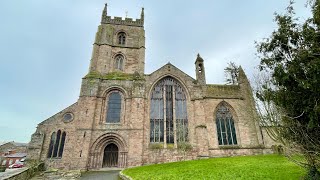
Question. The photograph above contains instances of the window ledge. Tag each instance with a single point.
(55, 158)
(229, 147)
(112, 124)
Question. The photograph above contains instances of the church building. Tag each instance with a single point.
(126, 118)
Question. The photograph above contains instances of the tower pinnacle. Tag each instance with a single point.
(142, 15)
(104, 12)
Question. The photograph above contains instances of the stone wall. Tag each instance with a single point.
(134, 128)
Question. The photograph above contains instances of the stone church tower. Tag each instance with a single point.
(125, 118)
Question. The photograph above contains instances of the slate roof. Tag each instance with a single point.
(17, 144)
(18, 155)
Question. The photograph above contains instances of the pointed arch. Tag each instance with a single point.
(118, 62)
(225, 124)
(168, 112)
(121, 37)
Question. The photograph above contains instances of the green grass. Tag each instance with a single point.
(241, 167)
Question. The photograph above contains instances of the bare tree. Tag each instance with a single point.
(232, 73)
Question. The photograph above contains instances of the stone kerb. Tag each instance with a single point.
(123, 176)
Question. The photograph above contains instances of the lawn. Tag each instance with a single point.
(241, 167)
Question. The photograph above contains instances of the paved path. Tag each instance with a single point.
(100, 175)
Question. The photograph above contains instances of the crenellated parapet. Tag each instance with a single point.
(105, 19)
(120, 21)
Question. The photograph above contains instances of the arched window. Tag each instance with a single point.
(168, 111)
(121, 38)
(225, 126)
(119, 62)
(56, 144)
(63, 138)
(52, 141)
(114, 107)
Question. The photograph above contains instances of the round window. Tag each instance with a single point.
(67, 117)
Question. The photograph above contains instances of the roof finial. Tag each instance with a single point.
(199, 58)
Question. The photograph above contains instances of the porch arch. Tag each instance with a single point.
(97, 149)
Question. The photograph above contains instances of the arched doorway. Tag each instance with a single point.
(110, 156)
(109, 150)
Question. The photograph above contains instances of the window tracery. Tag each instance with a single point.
(225, 126)
(168, 112)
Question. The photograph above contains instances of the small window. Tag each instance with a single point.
(67, 117)
(114, 108)
(200, 68)
(10, 161)
(122, 38)
(119, 62)
(4, 162)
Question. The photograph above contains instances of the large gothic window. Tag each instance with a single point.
(225, 126)
(56, 145)
(119, 62)
(168, 111)
(121, 38)
(114, 107)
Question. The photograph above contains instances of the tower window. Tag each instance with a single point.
(122, 38)
(119, 62)
(114, 107)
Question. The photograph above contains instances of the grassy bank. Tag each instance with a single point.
(244, 167)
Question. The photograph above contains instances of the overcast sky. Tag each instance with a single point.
(45, 46)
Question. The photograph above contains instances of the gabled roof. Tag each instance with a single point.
(20, 144)
(50, 118)
(173, 67)
(17, 144)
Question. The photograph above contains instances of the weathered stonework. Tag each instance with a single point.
(88, 133)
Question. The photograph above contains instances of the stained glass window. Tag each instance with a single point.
(168, 110)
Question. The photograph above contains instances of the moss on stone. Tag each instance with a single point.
(222, 90)
(201, 126)
(184, 146)
(114, 76)
(155, 146)
(170, 146)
